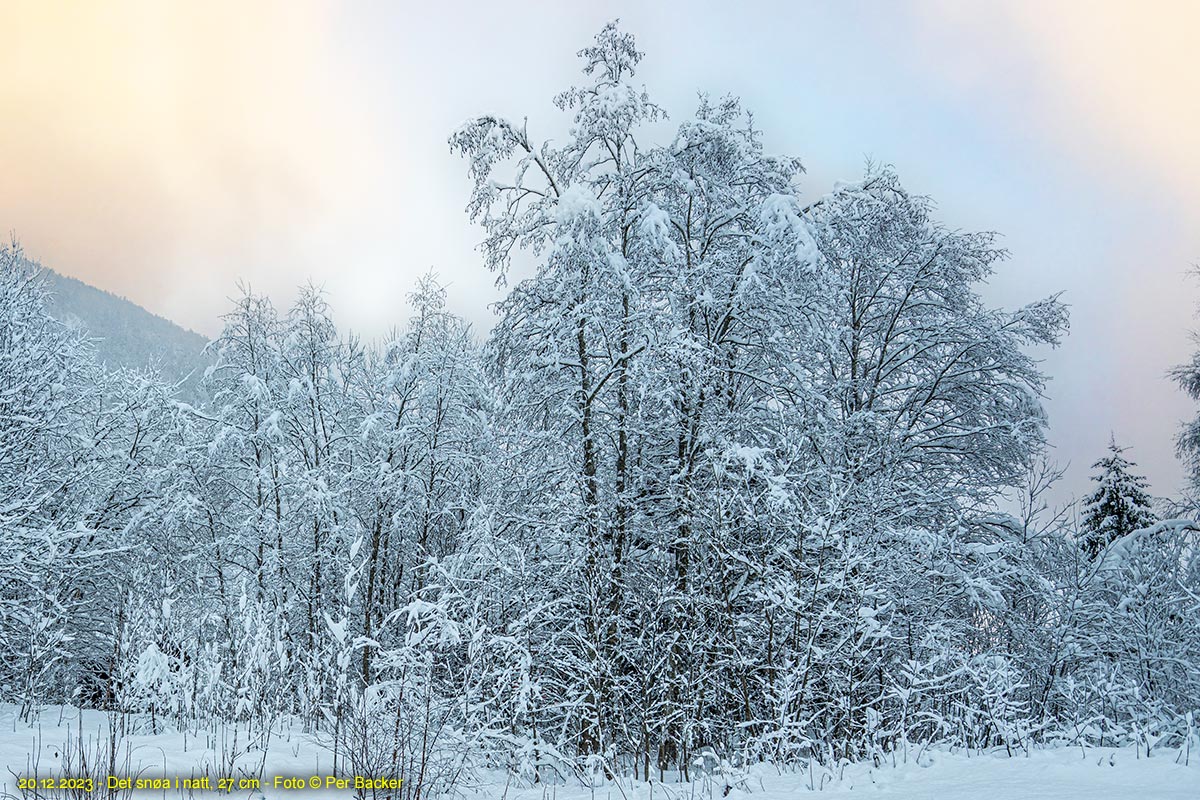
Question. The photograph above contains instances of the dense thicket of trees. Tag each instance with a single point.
(723, 483)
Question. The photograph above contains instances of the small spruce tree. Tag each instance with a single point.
(1120, 503)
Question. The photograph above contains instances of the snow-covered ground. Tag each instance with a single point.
(1065, 774)
(1068, 773)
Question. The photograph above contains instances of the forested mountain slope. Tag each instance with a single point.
(127, 335)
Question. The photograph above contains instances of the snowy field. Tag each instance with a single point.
(1062, 774)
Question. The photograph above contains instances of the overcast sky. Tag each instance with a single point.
(164, 151)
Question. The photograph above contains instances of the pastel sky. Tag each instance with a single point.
(165, 151)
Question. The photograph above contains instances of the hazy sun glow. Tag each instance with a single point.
(148, 145)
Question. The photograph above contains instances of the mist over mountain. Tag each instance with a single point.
(127, 335)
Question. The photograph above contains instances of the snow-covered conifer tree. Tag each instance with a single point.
(1117, 506)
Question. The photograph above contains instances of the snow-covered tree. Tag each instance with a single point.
(424, 411)
(1117, 506)
(730, 396)
(54, 508)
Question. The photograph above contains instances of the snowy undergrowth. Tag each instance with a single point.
(46, 746)
(1058, 774)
